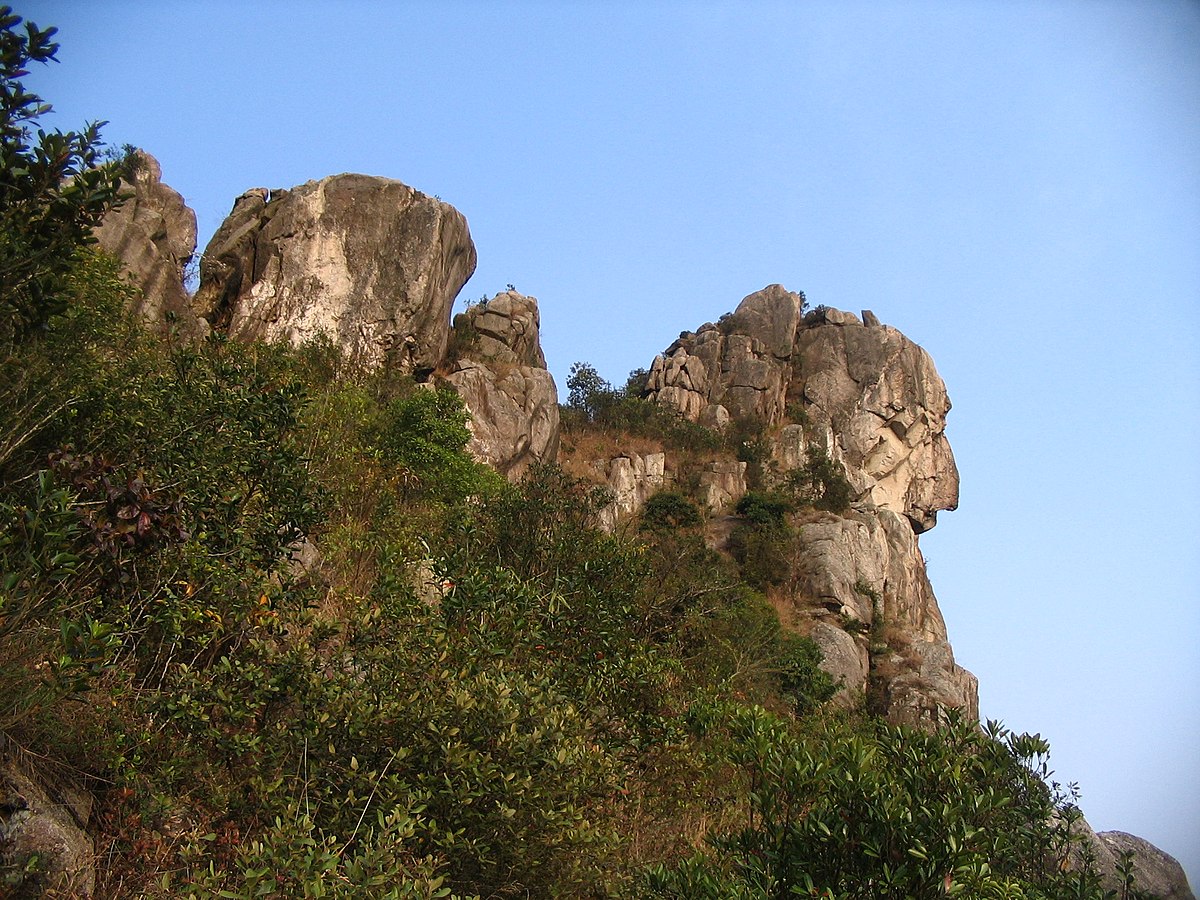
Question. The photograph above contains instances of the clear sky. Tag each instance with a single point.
(1014, 185)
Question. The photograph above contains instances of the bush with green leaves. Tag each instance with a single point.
(867, 811)
(53, 188)
(425, 432)
(593, 401)
(761, 540)
(820, 483)
(670, 510)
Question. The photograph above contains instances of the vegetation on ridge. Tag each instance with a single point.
(298, 644)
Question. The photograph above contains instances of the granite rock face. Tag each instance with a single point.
(869, 395)
(741, 364)
(860, 584)
(153, 234)
(871, 401)
(501, 375)
(876, 402)
(633, 479)
(1158, 874)
(370, 262)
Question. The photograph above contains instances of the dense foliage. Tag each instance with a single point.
(52, 187)
(298, 644)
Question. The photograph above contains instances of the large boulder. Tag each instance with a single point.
(864, 392)
(368, 262)
(632, 478)
(740, 364)
(153, 234)
(862, 574)
(1158, 873)
(497, 367)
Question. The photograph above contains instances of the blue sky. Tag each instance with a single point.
(1014, 185)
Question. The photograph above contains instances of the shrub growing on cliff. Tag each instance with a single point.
(426, 433)
(593, 401)
(670, 510)
(760, 541)
(820, 483)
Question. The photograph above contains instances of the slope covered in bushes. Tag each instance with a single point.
(266, 611)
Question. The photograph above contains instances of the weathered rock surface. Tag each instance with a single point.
(501, 375)
(863, 575)
(871, 397)
(873, 402)
(36, 820)
(633, 479)
(153, 234)
(370, 262)
(722, 484)
(876, 402)
(740, 364)
(1158, 873)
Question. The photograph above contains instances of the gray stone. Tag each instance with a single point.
(633, 479)
(514, 414)
(369, 262)
(845, 658)
(49, 820)
(501, 375)
(742, 364)
(1158, 873)
(873, 401)
(505, 329)
(722, 484)
(153, 234)
(882, 407)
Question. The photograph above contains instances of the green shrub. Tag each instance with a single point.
(764, 509)
(820, 483)
(592, 401)
(426, 433)
(53, 188)
(669, 510)
(874, 811)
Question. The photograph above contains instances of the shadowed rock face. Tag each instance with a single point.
(369, 262)
(501, 375)
(46, 819)
(153, 234)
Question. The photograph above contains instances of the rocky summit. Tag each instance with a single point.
(866, 397)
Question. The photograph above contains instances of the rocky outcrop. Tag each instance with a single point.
(49, 825)
(500, 372)
(369, 262)
(722, 484)
(1158, 874)
(875, 401)
(868, 395)
(633, 479)
(153, 234)
(739, 365)
(827, 385)
(859, 582)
